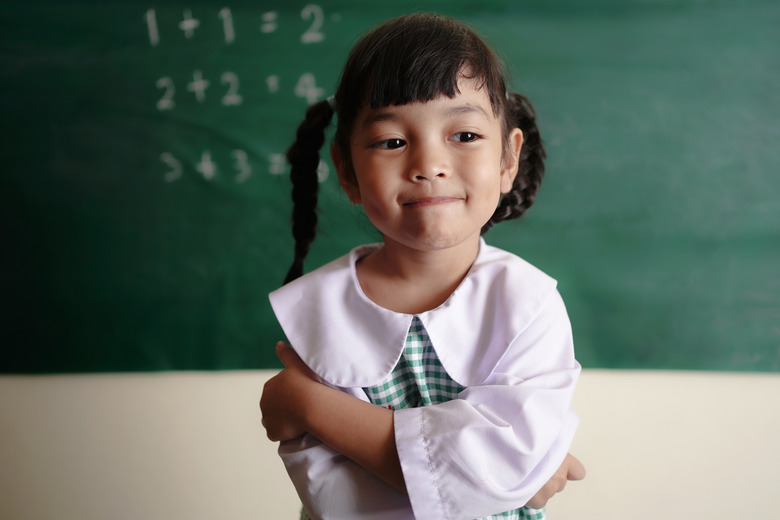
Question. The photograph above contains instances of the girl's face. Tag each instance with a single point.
(429, 175)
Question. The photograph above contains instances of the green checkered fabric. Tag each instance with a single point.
(419, 379)
(527, 513)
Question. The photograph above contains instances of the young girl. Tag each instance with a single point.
(432, 374)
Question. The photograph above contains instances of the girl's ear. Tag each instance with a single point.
(347, 179)
(511, 160)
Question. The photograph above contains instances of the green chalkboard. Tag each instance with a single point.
(145, 203)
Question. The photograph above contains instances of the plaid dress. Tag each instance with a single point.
(419, 379)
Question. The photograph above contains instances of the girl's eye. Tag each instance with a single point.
(465, 137)
(390, 144)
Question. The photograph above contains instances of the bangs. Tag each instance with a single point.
(417, 59)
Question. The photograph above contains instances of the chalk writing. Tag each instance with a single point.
(206, 87)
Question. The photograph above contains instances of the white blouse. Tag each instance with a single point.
(504, 334)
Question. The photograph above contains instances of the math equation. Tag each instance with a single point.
(225, 88)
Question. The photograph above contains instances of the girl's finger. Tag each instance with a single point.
(576, 470)
(286, 354)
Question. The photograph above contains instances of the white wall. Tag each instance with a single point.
(189, 446)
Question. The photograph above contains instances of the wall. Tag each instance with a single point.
(145, 232)
(169, 446)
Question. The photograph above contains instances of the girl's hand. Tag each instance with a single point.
(284, 399)
(571, 469)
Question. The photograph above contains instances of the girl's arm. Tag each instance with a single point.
(294, 402)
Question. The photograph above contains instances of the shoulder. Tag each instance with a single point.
(336, 275)
(502, 280)
(493, 262)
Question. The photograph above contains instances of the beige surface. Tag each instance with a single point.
(190, 446)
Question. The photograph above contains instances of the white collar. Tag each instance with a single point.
(350, 341)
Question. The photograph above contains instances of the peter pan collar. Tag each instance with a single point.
(350, 341)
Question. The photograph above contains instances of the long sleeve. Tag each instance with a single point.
(332, 487)
(491, 449)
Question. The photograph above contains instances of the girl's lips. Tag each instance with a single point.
(431, 201)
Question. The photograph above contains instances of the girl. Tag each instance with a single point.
(432, 374)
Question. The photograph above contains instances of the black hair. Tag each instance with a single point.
(414, 58)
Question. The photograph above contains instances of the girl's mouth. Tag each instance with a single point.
(430, 201)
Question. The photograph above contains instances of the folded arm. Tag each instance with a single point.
(295, 402)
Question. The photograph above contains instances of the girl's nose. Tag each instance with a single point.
(428, 162)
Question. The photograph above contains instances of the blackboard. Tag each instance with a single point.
(145, 203)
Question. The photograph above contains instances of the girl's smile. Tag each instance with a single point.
(431, 201)
(430, 174)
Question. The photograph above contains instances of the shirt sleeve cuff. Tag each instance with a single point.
(417, 465)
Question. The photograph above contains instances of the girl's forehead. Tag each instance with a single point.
(471, 98)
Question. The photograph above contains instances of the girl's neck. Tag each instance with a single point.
(412, 281)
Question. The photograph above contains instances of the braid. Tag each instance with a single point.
(530, 170)
(304, 158)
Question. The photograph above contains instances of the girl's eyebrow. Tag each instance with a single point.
(466, 110)
(378, 116)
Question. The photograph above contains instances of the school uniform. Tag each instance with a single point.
(480, 387)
